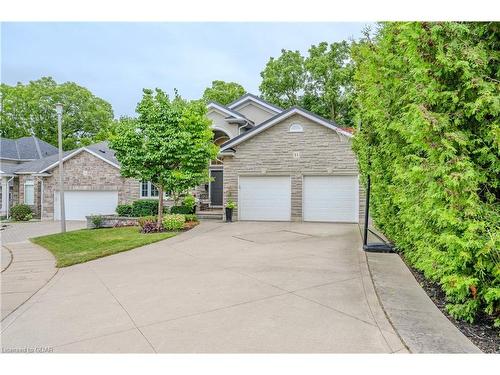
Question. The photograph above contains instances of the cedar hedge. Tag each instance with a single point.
(428, 100)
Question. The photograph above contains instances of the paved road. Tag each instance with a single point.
(19, 231)
(240, 287)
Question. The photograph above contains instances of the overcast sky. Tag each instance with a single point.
(116, 60)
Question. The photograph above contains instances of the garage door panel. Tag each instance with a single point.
(331, 198)
(78, 204)
(265, 198)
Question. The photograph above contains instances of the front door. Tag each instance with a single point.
(216, 188)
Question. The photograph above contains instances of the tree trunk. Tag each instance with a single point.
(160, 206)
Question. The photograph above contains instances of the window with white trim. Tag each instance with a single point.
(296, 128)
(148, 190)
(29, 193)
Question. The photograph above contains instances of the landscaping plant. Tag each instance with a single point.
(169, 144)
(125, 210)
(428, 101)
(96, 221)
(145, 207)
(173, 222)
(21, 212)
(191, 217)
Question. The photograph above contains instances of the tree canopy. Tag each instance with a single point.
(223, 92)
(169, 144)
(320, 82)
(428, 99)
(29, 109)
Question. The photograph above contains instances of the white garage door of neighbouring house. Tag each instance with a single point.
(331, 198)
(265, 198)
(79, 204)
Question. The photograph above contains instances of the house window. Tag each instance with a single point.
(296, 128)
(29, 193)
(148, 190)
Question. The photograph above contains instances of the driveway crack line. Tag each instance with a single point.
(124, 309)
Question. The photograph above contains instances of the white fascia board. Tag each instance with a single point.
(76, 153)
(283, 117)
(250, 98)
(224, 110)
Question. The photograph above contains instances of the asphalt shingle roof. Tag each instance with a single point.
(25, 148)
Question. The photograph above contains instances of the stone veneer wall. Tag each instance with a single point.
(37, 183)
(270, 153)
(87, 172)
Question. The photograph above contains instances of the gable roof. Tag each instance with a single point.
(100, 150)
(280, 117)
(254, 98)
(226, 110)
(25, 149)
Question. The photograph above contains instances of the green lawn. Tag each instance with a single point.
(86, 244)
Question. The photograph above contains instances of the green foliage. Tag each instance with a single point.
(144, 220)
(191, 217)
(125, 210)
(173, 222)
(320, 82)
(428, 99)
(283, 79)
(230, 204)
(144, 207)
(28, 109)
(21, 212)
(223, 92)
(181, 210)
(189, 201)
(170, 144)
(96, 221)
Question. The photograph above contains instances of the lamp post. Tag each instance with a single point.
(59, 110)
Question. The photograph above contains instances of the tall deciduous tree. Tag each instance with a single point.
(223, 92)
(283, 79)
(427, 96)
(169, 144)
(28, 109)
(328, 90)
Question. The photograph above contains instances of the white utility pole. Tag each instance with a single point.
(59, 110)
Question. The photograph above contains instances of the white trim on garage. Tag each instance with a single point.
(81, 203)
(330, 198)
(265, 198)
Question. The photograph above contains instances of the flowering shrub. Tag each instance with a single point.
(173, 222)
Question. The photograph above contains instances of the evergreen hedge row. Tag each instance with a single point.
(428, 101)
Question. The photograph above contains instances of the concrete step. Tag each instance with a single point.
(210, 215)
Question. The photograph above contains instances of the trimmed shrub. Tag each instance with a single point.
(145, 207)
(96, 221)
(173, 222)
(124, 210)
(183, 210)
(191, 217)
(21, 212)
(190, 202)
(427, 101)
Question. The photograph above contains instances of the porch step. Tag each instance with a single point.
(210, 215)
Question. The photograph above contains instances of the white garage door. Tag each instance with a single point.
(331, 198)
(79, 204)
(265, 198)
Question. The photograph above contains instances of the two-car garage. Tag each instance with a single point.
(331, 198)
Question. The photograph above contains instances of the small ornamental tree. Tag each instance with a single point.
(169, 144)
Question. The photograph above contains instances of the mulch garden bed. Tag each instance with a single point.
(482, 333)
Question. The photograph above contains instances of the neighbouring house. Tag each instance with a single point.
(283, 165)
(14, 153)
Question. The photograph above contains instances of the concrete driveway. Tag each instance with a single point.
(240, 287)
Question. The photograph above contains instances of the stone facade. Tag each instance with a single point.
(37, 184)
(87, 172)
(271, 153)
